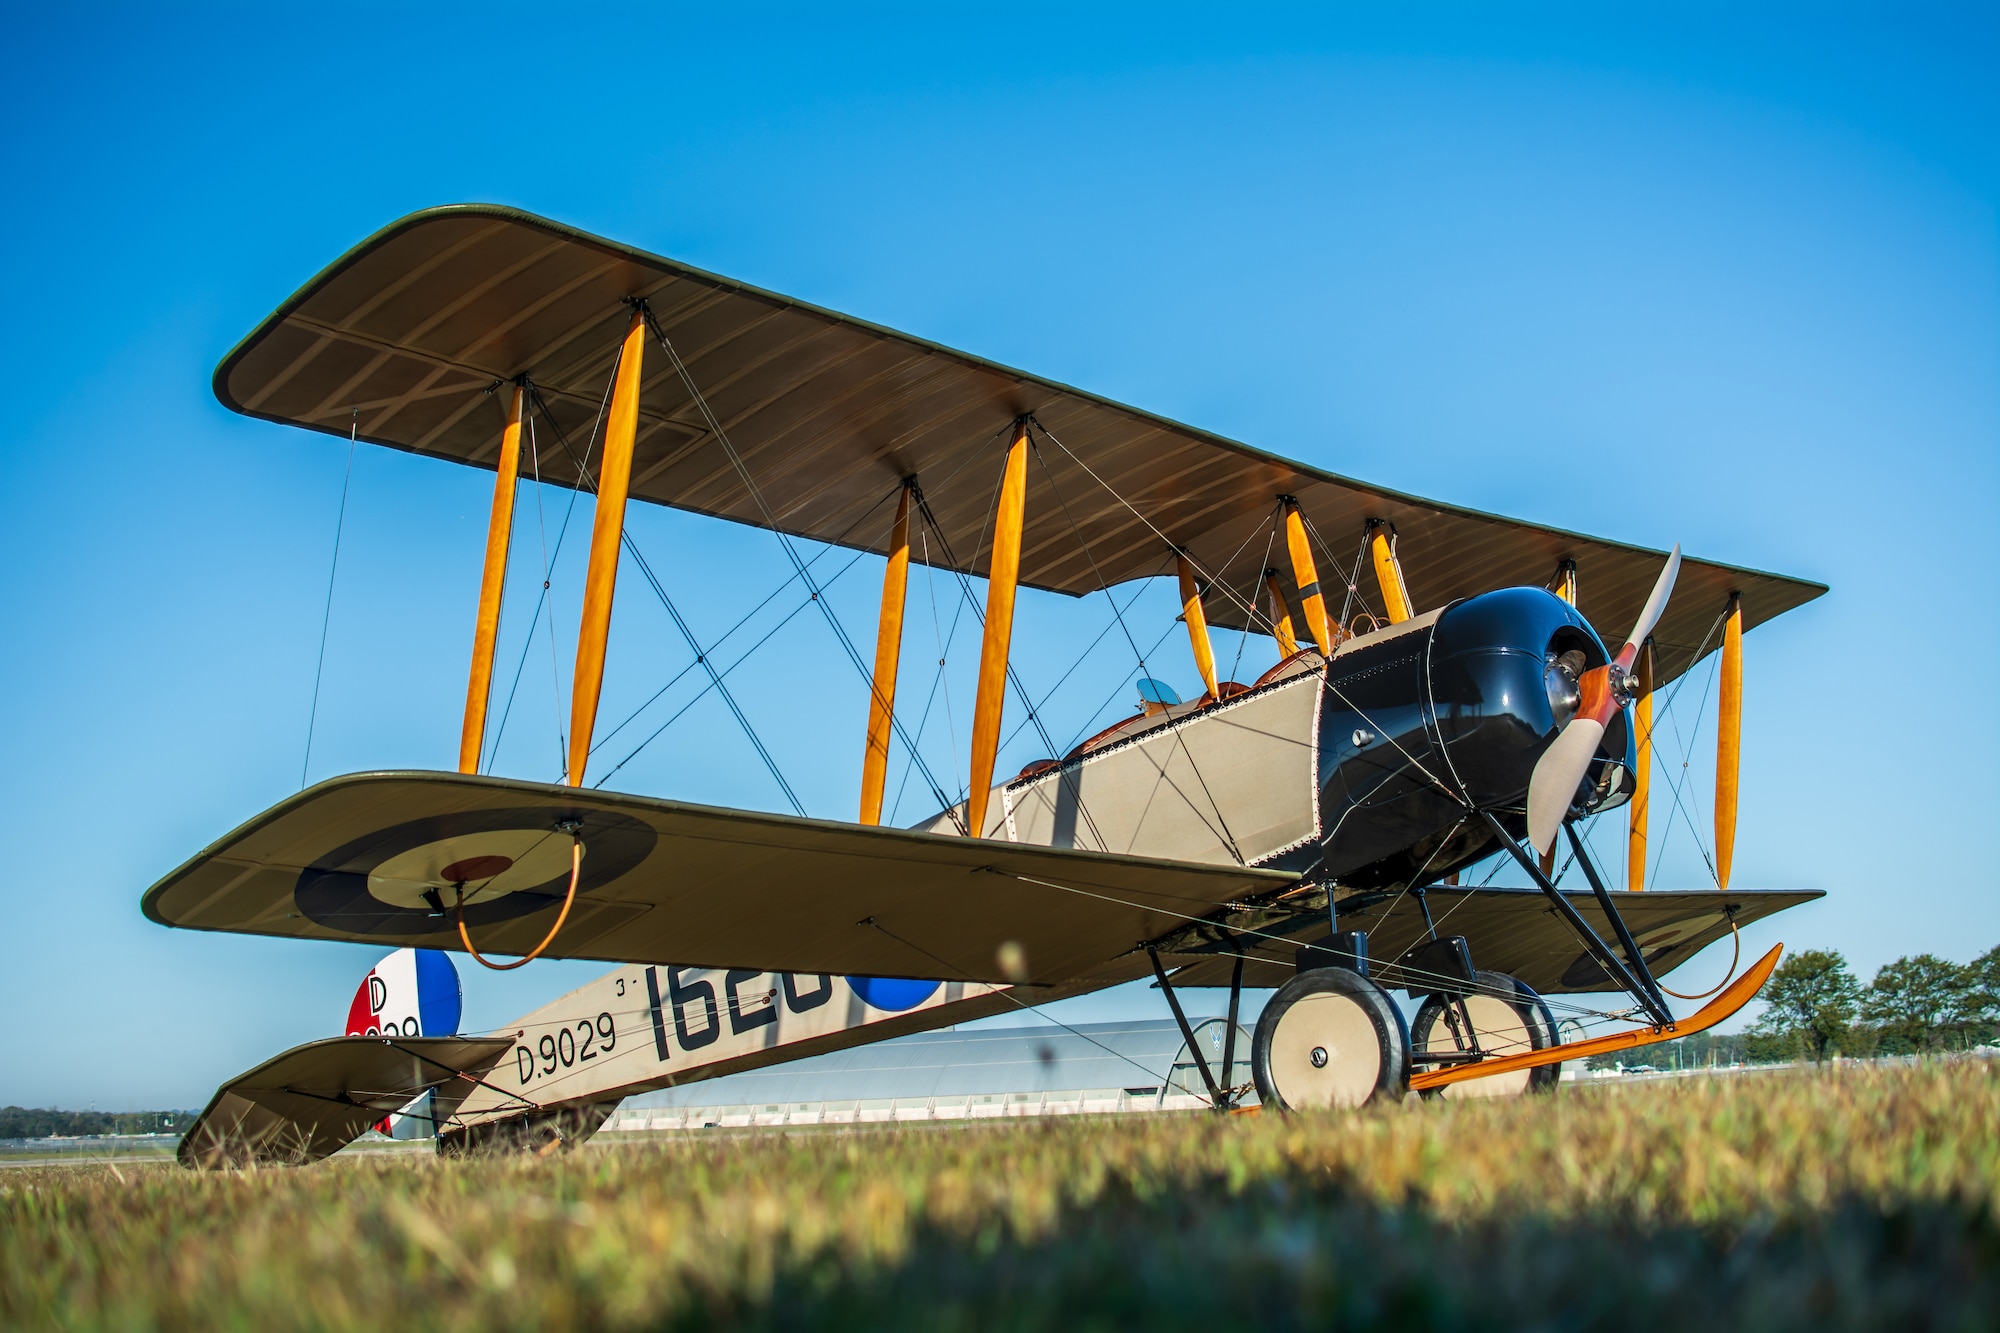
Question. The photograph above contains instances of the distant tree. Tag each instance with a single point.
(1983, 974)
(1918, 1002)
(18, 1122)
(1769, 1048)
(1812, 998)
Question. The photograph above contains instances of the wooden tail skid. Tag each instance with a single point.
(1739, 993)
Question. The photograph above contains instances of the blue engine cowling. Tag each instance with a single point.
(1439, 714)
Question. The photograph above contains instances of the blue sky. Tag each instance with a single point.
(1671, 274)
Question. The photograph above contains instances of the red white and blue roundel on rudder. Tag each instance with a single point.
(411, 993)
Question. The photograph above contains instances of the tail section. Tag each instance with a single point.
(411, 993)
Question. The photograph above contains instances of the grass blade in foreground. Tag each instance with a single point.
(1845, 1200)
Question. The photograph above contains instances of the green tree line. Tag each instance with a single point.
(18, 1122)
(1815, 1007)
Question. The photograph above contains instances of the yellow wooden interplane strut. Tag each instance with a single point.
(1728, 740)
(1642, 773)
(888, 656)
(492, 582)
(1003, 577)
(1197, 625)
(1281, 616)
(1306, 576)
(614, 479)
(1389, 572)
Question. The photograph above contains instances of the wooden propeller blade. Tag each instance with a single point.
(1558, 773)
(1656, 606)
(1552, 786)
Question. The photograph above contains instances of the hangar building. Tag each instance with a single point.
(957, 1074)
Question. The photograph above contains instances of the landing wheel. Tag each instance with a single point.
(1330, 1038)
(1506, 1017)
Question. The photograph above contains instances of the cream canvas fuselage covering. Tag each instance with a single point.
(1232, 784)
(640, 1028)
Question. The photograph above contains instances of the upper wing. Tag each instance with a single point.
(664, 882)
(414, 327)
(315, 1099)
(1515, 931)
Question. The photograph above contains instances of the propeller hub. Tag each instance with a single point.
(1624, 685)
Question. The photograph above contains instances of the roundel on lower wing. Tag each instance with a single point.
(892, 994)
(1664, 950)
(411, 993)
(405, 880)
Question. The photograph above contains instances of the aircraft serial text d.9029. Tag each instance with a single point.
(1461, 686)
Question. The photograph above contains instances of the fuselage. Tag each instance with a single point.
(1360, 769)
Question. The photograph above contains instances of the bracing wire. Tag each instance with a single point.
(771, 521)
(938, 683)
(546, 597)
(1351, 576)
(745, 656)
(1077, 665)
(1020, 688)
(673, 613)
(714, 676)
(326, 619)
(1090, 723)
(745, 619)
(1681, 779)
(1249, 608)
(1687, 745)
(1243, 636)
(548, 600)
(1254, 616)
(1096, 573)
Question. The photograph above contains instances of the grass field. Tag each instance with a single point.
(1851, 1199)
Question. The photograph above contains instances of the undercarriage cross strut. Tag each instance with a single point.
(1646, 995)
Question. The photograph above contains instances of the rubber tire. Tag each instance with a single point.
(1530, 1019)
(1370, 1065)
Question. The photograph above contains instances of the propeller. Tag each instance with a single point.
(1563, 766)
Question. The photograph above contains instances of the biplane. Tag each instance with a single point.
(1448, 687)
